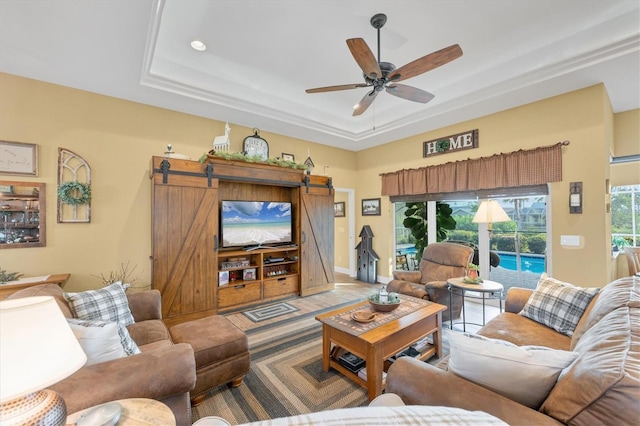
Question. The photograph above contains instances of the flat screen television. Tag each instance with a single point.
(255, 223)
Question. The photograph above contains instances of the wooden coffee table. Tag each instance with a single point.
(378, 341)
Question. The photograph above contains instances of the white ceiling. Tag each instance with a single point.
(262, 55)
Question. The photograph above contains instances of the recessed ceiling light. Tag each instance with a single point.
(198, 45)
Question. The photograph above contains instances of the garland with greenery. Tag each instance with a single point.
(74, 193)
(239, 156)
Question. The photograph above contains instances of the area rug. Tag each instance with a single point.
(268, 312)
(286, 377)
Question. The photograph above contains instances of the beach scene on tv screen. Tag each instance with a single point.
(246, 223)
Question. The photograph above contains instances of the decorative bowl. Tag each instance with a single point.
(393, 303)
(363, 316)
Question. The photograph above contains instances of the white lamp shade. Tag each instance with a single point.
(37, 346)
(490, 211)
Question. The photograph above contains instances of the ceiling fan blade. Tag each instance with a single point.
(364, 57)
(365, 102)
(410, 93)
(426, 63)
(335, 88)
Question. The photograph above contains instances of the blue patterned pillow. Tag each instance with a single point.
(557, 304)
(108, 304)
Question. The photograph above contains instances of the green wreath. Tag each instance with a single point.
(74, 193)
(442, 145)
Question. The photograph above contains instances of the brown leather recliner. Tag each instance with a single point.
(440, 261)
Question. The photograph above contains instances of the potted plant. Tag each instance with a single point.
(416, 221)
(472, 270)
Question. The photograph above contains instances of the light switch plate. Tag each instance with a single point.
(570, 240)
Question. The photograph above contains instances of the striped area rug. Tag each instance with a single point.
(286, 376)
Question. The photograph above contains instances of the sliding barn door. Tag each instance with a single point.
(317, 241)
(184, 236)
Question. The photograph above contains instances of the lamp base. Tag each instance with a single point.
(44, 407)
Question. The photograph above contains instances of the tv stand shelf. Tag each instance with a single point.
(270, 279)
(187, 259)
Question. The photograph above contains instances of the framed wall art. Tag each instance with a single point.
(18, 158)
(338, 209)
(371, 207)
(249, 274)
(288, 157)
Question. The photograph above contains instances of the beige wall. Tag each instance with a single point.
(627, 133)
(341, 230)
(583, 117)
(118, 138)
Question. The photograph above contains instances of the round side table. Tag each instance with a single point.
(488, 290)
(136, 412)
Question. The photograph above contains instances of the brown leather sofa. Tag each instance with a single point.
(601, 387)
(440, 261)
(163, 371)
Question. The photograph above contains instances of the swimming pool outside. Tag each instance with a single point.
(528, 262)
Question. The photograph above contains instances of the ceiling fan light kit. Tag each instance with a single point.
(379, 76)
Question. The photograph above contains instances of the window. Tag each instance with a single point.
(625, 216)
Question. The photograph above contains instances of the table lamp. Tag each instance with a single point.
(489, 212)
(37, 349)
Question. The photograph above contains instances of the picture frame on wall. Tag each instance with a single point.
(18, 158)
(371, 207)
(338, 209)
(288, 157)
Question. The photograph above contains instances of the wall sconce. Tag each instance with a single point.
(575, 197)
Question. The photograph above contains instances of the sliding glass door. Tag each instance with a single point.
(517, 248)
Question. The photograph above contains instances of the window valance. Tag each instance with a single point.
(514, 169)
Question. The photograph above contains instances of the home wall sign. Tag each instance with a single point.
(457, 142)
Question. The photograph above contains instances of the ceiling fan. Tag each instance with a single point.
(383, 75)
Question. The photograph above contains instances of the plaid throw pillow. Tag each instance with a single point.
(108, 304)
(558, 305)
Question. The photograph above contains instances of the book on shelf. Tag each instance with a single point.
(351, 362)
(362, 373)
(410, 351)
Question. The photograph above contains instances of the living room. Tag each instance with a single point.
(119, 137)
(120, 141)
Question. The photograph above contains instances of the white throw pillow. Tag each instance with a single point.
(557, 304)
(525, 374)
(99, 340)
(108, 304)
(103, 340)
